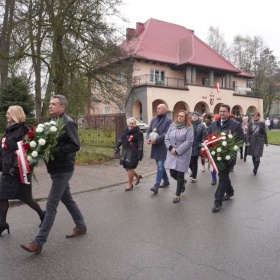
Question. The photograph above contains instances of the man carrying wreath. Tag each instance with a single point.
(230, 126)
(61, 169)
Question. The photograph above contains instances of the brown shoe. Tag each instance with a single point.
(32, 247)
(76, 232)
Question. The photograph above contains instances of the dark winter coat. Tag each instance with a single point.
(199, 135)
(67, 146)
(8, 157)
(131, 141)
(257, 137)
(162, 124)
(11, 186)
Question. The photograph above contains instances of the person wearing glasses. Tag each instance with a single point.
(178, 140)
(228, 125)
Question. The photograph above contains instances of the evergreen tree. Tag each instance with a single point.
(16, 91)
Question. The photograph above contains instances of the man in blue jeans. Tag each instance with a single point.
(158, 150)
(61, 169)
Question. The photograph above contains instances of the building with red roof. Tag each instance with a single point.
(171, 65)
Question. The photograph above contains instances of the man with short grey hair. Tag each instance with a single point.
(61, 169)
(161, 123)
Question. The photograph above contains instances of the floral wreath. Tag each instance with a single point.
(220, 148)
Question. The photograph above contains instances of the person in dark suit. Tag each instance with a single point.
(162, 123)
(228, 125)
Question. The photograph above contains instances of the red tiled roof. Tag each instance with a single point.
(170, 43)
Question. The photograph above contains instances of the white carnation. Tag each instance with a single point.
(33, 144)
(227, 157)
(223, 133)
(235, 147)
(53, 129)
(223, 137)
(39, 129)
(41, 125)
(224, 143)
(29, 158)
(213, 153)
(42, 141)
(46, 123)
(219, 150)
(34, 154)
(52, 123)
(230, 136)
(219, 158)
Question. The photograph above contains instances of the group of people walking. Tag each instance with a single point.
(178, 144)
(174, 145)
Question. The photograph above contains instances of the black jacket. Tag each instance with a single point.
(68, 145)
(8, 157)
(132, 147)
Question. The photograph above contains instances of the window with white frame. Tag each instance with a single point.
(156, 75)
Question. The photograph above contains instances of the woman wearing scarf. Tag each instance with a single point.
(131, 141)
(256, 138)
(178, 141)
(199, 135)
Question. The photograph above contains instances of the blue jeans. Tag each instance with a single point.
(59, 191)
(161, 172)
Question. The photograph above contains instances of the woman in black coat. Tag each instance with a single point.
(256, 138)
(131, 141)
(11, 186)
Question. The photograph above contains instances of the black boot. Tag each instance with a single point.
(214, 181)
(4, 227)
(256, 166)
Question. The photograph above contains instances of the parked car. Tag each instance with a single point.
(143, 126)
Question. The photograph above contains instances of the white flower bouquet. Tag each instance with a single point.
(220, 149)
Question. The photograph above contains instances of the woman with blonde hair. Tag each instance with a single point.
(11, 186)
(178, 140)
(131, 141)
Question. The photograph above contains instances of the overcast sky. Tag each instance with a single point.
(239, 17)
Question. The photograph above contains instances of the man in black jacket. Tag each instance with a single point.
(228, 125)
(61, 169)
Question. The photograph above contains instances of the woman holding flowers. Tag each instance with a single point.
(131, 141)
(178, 140)
(11, 186)
(225, 162)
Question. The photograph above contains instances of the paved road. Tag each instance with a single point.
(136, 235)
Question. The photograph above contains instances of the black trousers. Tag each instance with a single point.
(180, 178)
(224, 185)
(194, 166)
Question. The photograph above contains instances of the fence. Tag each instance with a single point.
(98, 133)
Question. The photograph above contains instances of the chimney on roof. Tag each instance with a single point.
(130, 33)
(139, 28)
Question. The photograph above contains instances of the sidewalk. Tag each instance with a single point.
(93, 177)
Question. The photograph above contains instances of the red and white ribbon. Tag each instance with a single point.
(23, 165)
(205, 144)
